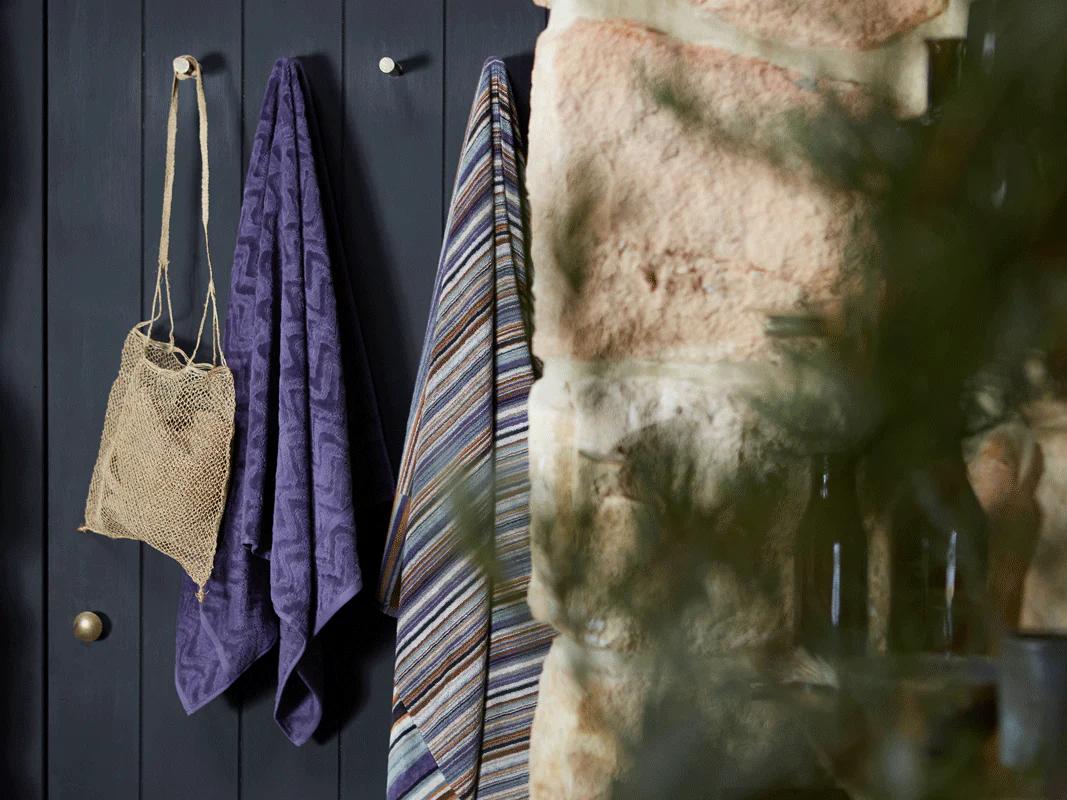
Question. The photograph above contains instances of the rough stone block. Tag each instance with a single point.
(839, 24)
(661, 230)
(589, 727)
(583, 712)
(690, 429)
(896, 69)
(1044, 604)
(846, 24)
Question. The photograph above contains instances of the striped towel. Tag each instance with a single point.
(457, 564)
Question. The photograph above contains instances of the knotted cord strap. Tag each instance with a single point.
(162, 290)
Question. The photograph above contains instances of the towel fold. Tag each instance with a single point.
(457, 564)
(286, 558)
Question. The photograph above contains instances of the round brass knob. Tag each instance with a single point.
(88, 627)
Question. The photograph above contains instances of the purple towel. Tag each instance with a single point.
(286, 559)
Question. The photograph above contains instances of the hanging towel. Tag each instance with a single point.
(468, 652)
(286, 558)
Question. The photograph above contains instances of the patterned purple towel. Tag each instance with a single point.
(286, 559)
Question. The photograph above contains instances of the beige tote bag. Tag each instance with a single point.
(164, 460)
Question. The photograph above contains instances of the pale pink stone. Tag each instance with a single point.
(846, 24)
(684, 232)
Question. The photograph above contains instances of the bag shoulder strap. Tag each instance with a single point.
(162, 291)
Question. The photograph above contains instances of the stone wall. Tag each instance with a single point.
(662, 234)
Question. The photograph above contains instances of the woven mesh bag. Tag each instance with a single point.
(164, 461)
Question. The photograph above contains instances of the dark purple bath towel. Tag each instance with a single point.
(286, 559)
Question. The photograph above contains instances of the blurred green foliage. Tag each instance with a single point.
(956, 317)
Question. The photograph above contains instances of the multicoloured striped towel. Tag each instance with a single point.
(457, 564)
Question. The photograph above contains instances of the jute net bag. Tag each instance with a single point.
(164, 460)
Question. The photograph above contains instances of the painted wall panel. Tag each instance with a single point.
(207, 740)
(86, 99)
(94, 297)
(22, 423)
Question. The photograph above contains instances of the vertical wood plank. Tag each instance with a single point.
(207, 741)
(392, 209)
(93, 295)
(364, 677)
(392, 194)
(22, 397)
(474, 31)
(311, 30)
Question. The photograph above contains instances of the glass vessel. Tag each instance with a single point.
(831, 563)
(939, 555)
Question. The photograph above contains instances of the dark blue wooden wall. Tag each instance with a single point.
(84, 87)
